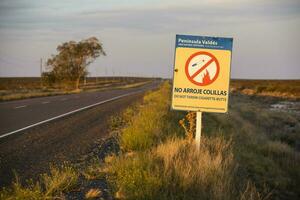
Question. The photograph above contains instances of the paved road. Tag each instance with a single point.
(15, 115)
(29, 152)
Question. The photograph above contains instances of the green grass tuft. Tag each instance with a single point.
(51, 186)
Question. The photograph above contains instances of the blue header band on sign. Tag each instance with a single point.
(190, 41)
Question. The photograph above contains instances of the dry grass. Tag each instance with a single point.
(16, 83)
(192, 174)
(94, 170)
(278, 88)
(158, 163)
(265, 144)
(22, 88)
(20, 192)
(248, 154)
(134, 177)
(133, 85)
(251, 193)
(51, 186)
(93, 194)
(176, 170)
(145, 128)
(8, 96)
(59, 180)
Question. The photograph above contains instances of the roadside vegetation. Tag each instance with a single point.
(50, 186)
(22, 88)
(276, 88)
(252, 153)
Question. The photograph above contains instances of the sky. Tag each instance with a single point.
(139, 35)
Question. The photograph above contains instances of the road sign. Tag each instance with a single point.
(201, 73)
(202, 68)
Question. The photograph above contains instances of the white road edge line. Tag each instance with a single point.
(20, 106)
(68, 113)
(45, 102)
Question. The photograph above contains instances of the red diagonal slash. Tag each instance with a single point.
(202, 68)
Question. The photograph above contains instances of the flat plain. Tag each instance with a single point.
(250, 153)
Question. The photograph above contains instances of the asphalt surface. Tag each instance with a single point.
(15, 115)
(29, 152)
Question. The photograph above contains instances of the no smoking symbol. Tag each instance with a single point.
(202, 68)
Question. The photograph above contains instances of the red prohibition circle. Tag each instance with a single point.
(214, 59)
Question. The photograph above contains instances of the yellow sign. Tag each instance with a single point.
(201, 73)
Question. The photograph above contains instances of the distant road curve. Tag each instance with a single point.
(17, 116)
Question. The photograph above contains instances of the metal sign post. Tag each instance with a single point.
(198, 129)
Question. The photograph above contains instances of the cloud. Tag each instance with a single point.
(170, 15)
(142, 31)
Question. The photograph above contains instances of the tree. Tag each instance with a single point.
(48, 78)
(70, 64)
